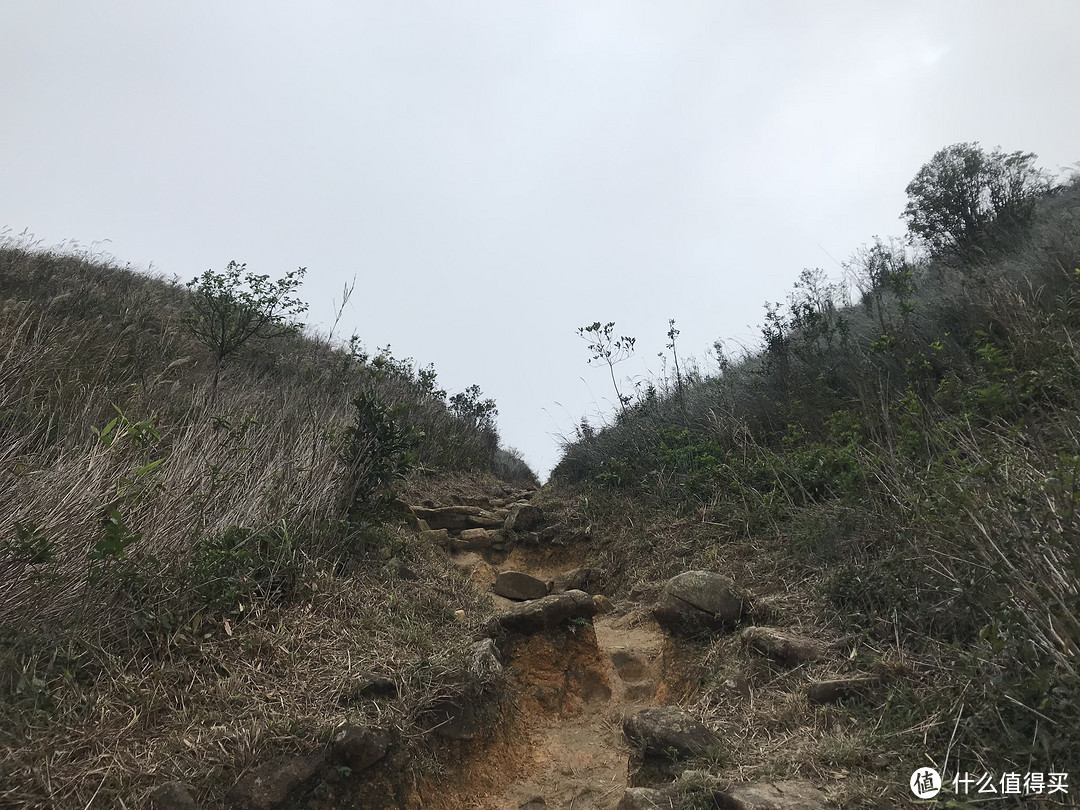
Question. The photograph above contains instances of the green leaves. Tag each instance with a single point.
(118, 536)
(235, 307)
(965, 201)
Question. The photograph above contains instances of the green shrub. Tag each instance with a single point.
(230, 568)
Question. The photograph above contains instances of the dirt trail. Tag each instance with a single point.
(573, 689)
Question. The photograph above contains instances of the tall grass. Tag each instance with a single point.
(918, 447)
(155, 540)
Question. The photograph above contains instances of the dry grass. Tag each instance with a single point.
(209, 704)
(119, 673)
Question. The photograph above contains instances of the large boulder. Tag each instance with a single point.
(519, 586)
(786, 795)
(667, 732)
(548, 612)
(696, 601)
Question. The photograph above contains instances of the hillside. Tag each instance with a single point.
(243, 565)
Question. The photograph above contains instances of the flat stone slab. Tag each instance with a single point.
(786, 648)
(547, 612)
(456, 518)
(519, 586)
(786, 795)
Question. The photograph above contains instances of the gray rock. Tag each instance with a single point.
(523, 517)
(548, 612)
(436, 537)
(473, 539)
(484, 663)
(823, 692)
(268, 786)
(359, 747)
(516, 585)
(174, 795)
(456, 518)
(698, 600)
(577, 579)
(786, 795)
(535, 803)
(666, 732)
(786, 648)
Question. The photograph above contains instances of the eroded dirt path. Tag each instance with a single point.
(573, 688)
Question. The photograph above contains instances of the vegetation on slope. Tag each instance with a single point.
(912, 456)
(194, 507)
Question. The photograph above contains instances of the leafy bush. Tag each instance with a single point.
(236, 307)
(916, 450)
(966, 203)
(230, 568)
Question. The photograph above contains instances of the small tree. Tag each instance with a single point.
(236, 307)
(609, 350)
(965, 202)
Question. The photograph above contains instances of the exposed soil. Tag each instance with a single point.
(572, 689)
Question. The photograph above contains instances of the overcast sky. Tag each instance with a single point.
(496, 174)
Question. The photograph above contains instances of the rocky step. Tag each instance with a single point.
(519, 586)
(545, 613)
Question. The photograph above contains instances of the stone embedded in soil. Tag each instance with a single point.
(522, 517)
(698, 600)
(603, 604)
(535, 803)
(823, 692)
(452, 718)
(268, 786)
(369, 686)
(786, 648)
(548, 612)
(668, 732)
(516, 585)
(786, 795)
(577, 579)
(472, 539)
(173, 796)
(436, 537)
(484, 663)
(456, 518)
(359, 747)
